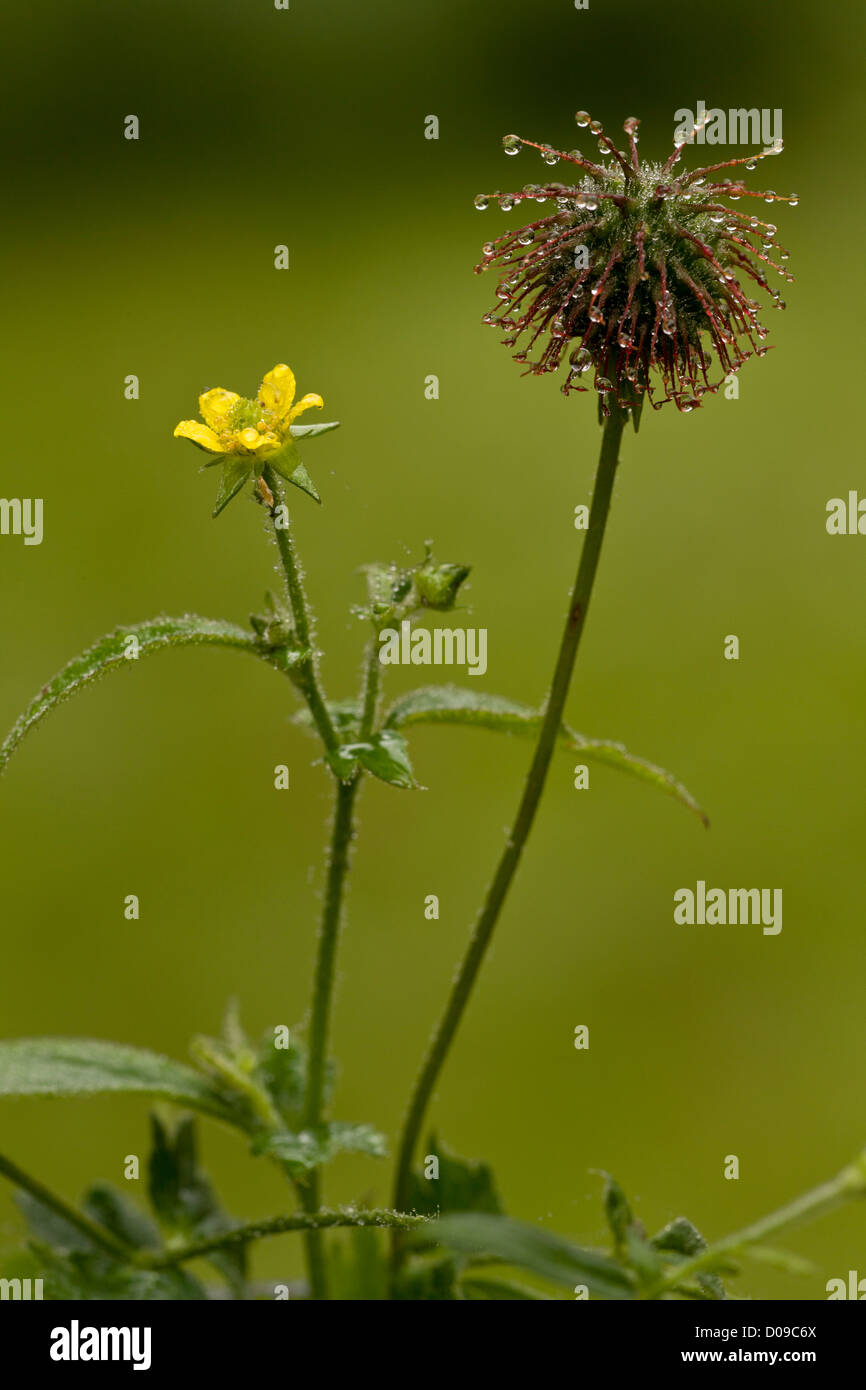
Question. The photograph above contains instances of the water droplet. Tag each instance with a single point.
(582, 117)
(549, 155)
(793, 200)
(526, 238)
(602, 385)
(506, 202)
(481, 202)
(581, 360)
(488, 250)
(503, 293)
(511, 144)
(596, 127)
(717, 217)
(769, 195)
(751, 164)
(520, 356)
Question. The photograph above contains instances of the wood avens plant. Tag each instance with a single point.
(632, 273)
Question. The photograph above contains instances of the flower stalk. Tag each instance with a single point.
(496, 895)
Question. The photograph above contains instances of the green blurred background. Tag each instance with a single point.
(306, 127)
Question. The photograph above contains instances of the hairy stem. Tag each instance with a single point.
(94, 1232)
(303, 622)
(323, 990)
(370, 692)
(319, 1220)
(502, 879)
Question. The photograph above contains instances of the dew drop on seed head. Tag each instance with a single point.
(511, 144)
(582, 117)
(793, 200)
(549, 155)
(506, 202)
(481, 202)
(596, 127)
(602, 385)
(751, 164)
(769, 195)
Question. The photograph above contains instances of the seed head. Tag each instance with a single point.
(637, 273)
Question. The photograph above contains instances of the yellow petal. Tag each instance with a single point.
(250, 439)
(200, 434)
(277, 390)
(304, 404)
(217, 405)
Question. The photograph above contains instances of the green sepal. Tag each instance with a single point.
(310, 431)
(287, 463)
(235, 473)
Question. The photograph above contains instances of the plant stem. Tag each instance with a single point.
(94, 1232)
(851, 1182)
(370, 694)
(303, 622)
(320, 1220)
(498, 890)
(323, 990)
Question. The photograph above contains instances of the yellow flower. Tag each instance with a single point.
(249, 429)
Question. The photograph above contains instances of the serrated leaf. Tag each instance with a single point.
(179, 1192)
(545, 1254)
(449, 704)
(462, 1185)
(235, 473)
(82, 1276)
(83, 1066)
(385, 755)
(310, 431)
(109, 654)
(121, 1217)
(310, 1148)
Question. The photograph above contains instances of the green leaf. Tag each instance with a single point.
(179, 1193)
(541, 1252)
(110, 654)
(310, 431)
(83, 1276)
(618, 1212)
(481, 1286)
(235, 473)
(82, 1066)
(448, 704)
(430, 1278)
(385, 755)
(310, 1148)
(462, 1185)
(121, 1217)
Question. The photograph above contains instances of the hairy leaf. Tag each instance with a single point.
(385, 755)
(462, 1185)
(545, 1254)
(448, 704)
(83, 1066)
(110, 654)
(310, 1148)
